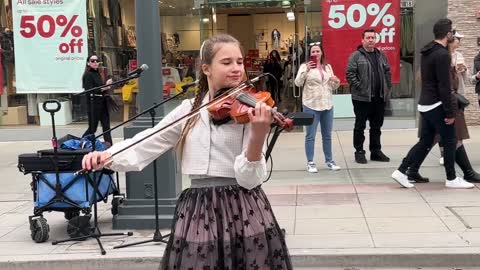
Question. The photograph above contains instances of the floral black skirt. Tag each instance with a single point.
(225, 227)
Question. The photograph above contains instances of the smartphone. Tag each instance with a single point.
(314, 59)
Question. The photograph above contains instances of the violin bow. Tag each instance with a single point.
(187, 116)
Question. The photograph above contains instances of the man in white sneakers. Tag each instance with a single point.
(437, 108)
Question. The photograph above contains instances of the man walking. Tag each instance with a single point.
(437, 108)
(369, 77)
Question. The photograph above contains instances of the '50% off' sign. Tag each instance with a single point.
(46, 26)
(358, 15)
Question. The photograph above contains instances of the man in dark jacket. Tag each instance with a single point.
(437, 108)
(368, 74)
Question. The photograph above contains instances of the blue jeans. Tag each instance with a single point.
(325, 118)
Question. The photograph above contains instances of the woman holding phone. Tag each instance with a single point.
(318, 81)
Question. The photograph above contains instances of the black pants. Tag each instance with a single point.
(374, 112)
(433, 122)
(99, 114)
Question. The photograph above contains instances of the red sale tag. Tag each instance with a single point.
(344, 22)
(166, 72)
(132, 65)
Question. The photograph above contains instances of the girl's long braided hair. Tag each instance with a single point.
(207, 53)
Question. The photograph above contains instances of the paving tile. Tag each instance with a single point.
(406, 225)
(467, 208)
(282, 199)
(279, 190)
(441, 209)
(473, 221)
(320, 189)
(455, 225)
(418, 240)
(12, 220)
(452, 195)
(330, 226)
(350, 240)
(6, 207)
(398, 210)
(21, 234)
(464, 210)
(376, 188)
(287, 224)
(24, 208)
(300, 175)
(395, 197)
(5, 230)
(363, 172)
(329, 211)
(472, 238)
(284, 212)
(327, 199)
(427, 187)
(25, 248)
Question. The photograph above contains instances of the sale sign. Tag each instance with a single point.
(50, 45)
(344, 22)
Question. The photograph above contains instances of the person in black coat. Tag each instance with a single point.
(274, 67)
(437, 107)
(96, 101)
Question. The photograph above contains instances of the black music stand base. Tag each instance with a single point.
(94, 230)
(95, 234)
(157, 236)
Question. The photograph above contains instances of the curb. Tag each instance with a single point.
(301, 258)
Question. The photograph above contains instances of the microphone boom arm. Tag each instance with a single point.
(135, 76)
(153, 107)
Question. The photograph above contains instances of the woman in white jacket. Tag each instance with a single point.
(318, 82)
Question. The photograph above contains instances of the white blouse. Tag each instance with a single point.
(317, 91)
(209, 150)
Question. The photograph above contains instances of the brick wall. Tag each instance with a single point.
(463, 15)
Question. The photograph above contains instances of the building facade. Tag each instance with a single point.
(261, 26)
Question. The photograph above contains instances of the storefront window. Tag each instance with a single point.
(287, 27)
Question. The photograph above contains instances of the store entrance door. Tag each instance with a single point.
(243, 33)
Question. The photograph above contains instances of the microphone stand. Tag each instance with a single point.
(157, 236)
(95, 232)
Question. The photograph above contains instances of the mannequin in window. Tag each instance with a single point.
(276, 39)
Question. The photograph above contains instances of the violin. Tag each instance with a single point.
(230, 103)
(236, 107)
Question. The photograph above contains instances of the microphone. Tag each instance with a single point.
(138, 71)
(188, 85)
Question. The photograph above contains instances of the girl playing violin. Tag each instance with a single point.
(224, 220)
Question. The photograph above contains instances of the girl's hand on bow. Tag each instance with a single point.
(96, 160)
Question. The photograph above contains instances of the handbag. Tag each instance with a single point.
(462, 101)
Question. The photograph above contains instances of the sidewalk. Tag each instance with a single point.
(357, 217)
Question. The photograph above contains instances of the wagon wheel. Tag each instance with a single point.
(39, 230)
(116, 201)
